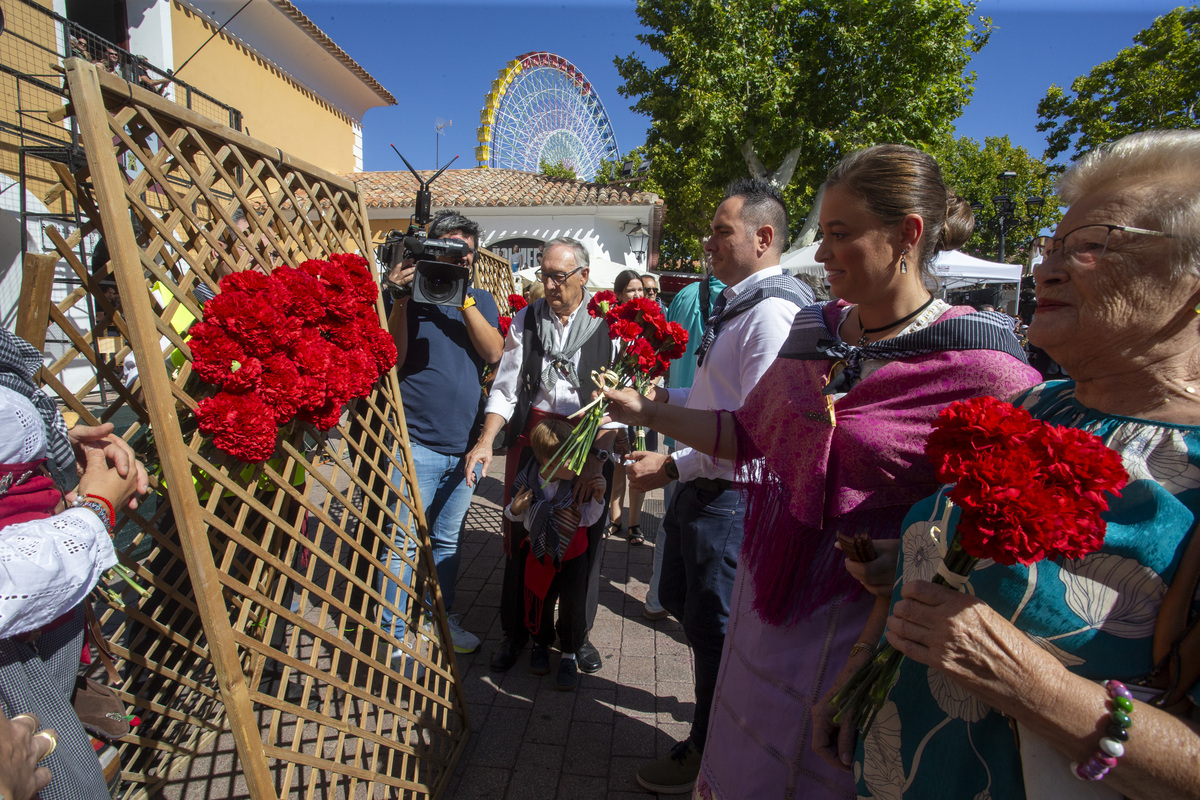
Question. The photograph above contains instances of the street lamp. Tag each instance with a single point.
(1005, 215)
(638, 237)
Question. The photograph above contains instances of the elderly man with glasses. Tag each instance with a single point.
(552, 348)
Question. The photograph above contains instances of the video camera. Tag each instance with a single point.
(442, 278)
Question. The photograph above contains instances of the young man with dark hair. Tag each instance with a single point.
(441, 354)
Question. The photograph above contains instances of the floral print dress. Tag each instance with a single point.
(931, 739)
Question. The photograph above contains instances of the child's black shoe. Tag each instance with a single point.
(539, 660)
(568, 675)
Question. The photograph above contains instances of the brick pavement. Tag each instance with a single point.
(529, 740)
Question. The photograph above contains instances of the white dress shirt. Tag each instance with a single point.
(743, 350)
(561, 398)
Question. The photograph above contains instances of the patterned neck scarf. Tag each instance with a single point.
(19, 362)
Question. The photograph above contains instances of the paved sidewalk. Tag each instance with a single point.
(529, 740)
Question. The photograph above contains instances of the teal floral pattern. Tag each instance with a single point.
(1095, 614)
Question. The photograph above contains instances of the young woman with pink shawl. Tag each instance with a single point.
(831, 440)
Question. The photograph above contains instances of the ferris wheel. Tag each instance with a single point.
(542, 109)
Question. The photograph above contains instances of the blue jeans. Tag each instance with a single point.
(444, 491)
(702, 536)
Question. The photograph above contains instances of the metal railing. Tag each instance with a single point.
(36, 41)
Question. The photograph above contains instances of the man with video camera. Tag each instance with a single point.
(442, 350)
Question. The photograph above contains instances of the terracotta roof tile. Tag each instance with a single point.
(481, 188)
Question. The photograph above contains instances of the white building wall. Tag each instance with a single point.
(150, 34)
(598, 229)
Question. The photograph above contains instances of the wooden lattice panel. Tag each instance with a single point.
(263, 619)
(494, 274)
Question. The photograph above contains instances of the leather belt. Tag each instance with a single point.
(712, 484)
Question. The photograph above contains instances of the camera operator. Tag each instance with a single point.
(442, 351)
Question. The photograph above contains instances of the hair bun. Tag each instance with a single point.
(960, 223)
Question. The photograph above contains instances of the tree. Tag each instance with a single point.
(819, 77)
(973, 172)
(559, 169)
(1154, 84)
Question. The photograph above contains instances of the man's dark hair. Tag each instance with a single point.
(762, 204)
(447, 222)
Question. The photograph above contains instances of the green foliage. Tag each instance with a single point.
(1154, 84)
(824, 76)
(556, 170)
(973, 172)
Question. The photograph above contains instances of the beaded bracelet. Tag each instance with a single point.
(862, 647)
(98, 509)
(112, 512)
(1112, 745)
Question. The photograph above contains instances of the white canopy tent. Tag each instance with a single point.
(601, 272)
(954, 269)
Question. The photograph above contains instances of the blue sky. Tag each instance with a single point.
(439, 59)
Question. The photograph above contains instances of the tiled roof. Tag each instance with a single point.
(321, 38)
(476, 188)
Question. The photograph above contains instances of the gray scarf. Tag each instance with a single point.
(561, 365)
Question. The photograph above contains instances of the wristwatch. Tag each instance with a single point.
(671, 468)
(600, 454)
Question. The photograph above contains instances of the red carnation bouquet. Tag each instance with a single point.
(295, 344)
(1027, 490)
(648, 344)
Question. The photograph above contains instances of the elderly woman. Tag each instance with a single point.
(1053, 646)
(830, 440)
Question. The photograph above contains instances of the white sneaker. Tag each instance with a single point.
(464, 641)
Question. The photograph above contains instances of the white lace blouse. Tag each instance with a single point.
(47, 567)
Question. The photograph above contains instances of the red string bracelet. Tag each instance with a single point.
(112, 512)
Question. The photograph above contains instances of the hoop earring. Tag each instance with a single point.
(903, 265)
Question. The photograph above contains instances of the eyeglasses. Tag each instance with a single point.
(1087, 244)
(555, 278)
(651, 292)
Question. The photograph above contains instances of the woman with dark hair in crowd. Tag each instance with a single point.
(627, 286)
(831, 441)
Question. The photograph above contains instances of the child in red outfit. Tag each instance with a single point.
(554, 571)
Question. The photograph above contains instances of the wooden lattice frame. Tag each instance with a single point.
(311, 695)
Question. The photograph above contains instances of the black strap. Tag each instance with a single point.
(533, 353)
(705, 300)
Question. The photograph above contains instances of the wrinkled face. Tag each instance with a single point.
(650, 287)
(731, 248)
(632, 289)
(563, 293)
(858, 252)
(1121, 311)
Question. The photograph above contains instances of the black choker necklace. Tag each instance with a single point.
(863, 339)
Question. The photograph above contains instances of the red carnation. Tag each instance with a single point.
(241, 425)
(505, 324)
(601, 303)
(298, 294)
(1028, 490)
(625, 329)
(516, 302)
(279, 387)
(326, 416)
(381, 346)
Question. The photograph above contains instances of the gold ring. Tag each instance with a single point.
(29, 717)
(53, 743)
